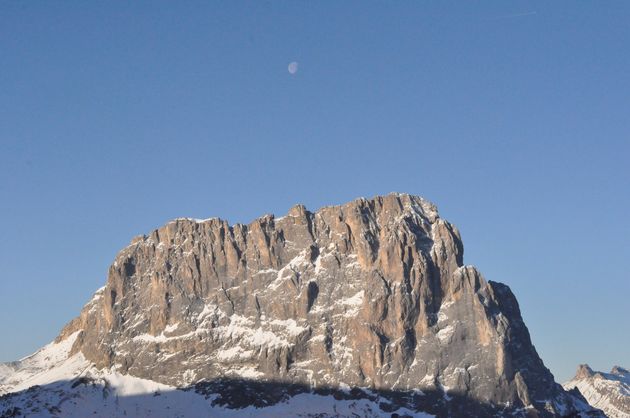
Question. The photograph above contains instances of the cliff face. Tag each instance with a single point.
(371, 294)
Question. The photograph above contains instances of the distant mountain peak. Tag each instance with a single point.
(620, 371)
(609, 392)
(584, 371)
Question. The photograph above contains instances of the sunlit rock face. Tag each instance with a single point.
(370, 294)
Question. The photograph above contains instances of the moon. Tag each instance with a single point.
(293, 67)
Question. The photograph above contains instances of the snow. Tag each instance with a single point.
(234, 353)
(602, 390)
(272, 334)
(266, 271)
(171, 328)
(122, 395)
(445, 389)
(442, 316)
(263, 338)
(247, 373)
(129, 386)
(5, 369)
(355, 300)
(428, 380)
(98, 294)
(49, 364)
(290, 326)
(199, 221)
(148, 338)
(341, 351)
(344, 387)
(301, 260)
(208, 310)
(323, 255)
(445, 334)
(352, 304)
(108, 393)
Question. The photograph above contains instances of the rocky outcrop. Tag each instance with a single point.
(371, 295)
(609, 392)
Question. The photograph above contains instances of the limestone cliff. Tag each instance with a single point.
(372, 293)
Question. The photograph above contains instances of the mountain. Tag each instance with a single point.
(609, 392)
(364, 308)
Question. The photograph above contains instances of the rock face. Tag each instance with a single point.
(609, 392)
(372, 294)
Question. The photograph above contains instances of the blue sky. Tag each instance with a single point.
(513, 117)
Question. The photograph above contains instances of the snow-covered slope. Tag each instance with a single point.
(609, 392)
(133, 397)
(50, 364)
(52, 384)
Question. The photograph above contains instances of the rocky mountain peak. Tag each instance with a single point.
(584, 371)
(620, 371)
(371, 296)
(609, 392)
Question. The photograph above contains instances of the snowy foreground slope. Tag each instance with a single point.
(52, 384)
(362, 309)
(609, 392)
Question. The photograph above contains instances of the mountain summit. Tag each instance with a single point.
(609, 392)
(366, 306)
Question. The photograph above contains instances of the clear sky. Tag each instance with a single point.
(513, 117)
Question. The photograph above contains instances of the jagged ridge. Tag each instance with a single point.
(371, 294)
(609, 392)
